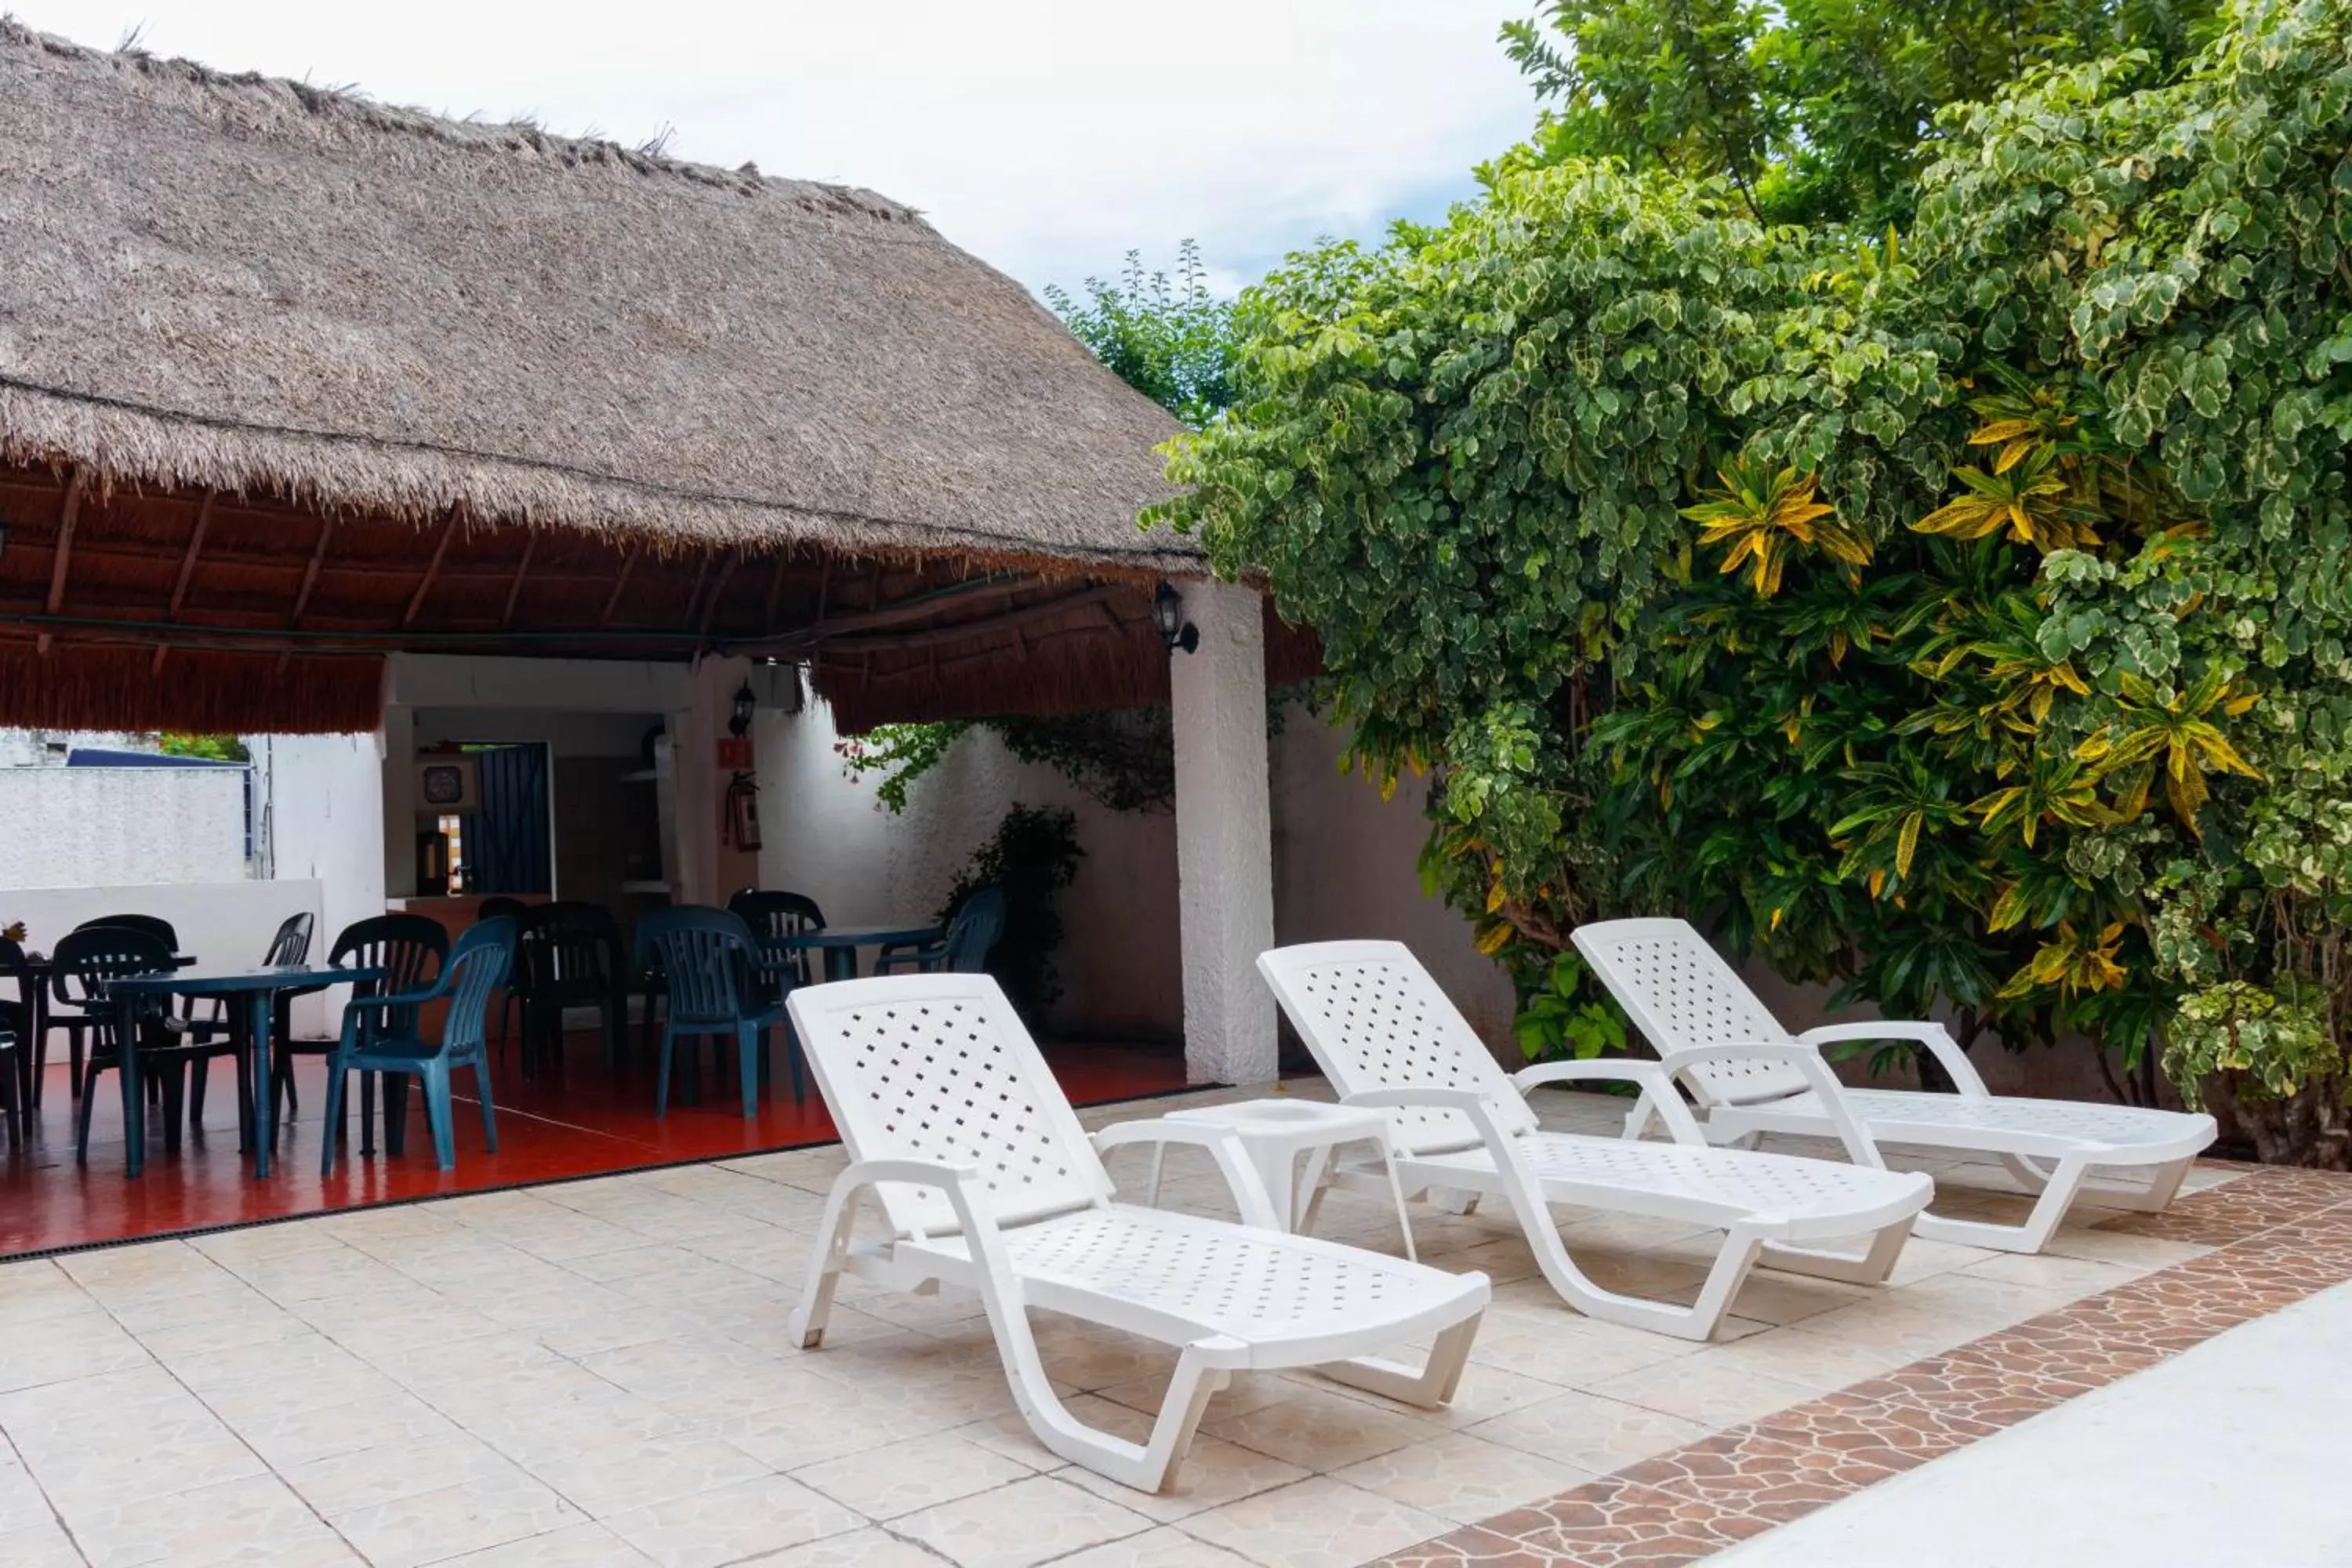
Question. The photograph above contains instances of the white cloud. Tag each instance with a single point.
(1047, 136)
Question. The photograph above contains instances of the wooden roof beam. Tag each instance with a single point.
(613, 600)
(63, 559)
(187, 574)
(432, 569)
(522, 570)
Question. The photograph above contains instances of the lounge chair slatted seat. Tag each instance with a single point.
(958, 1132)
(1700, 1017)
(1385, 1035)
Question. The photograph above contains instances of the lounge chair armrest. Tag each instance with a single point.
(1256, 1204)
(1656, 1084)
(1860, 1147)
(1933, 1037)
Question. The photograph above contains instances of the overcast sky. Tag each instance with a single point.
(1047, 136)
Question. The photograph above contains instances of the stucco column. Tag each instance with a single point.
(1225, 846)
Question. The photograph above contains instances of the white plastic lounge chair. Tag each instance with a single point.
(984, 1179)
(1385, 1035)
(1705, 1024)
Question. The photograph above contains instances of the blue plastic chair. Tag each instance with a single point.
(963, 948)
(412, 950)
(382, 1034)
(714, 973)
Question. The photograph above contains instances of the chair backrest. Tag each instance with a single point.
(154, 925)
(292, 942)
(972, 934)
(771, 912)
(411, 950)
(501, 908)
(478, 966)
(706, 957)
(13, 967)
(1374, 1020)
(568, 949)
(85, 959)
(1680, 993)
(937, 1066)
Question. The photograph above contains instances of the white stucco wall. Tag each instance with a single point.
(225, 924)
(326, 825)
(826, 836)
(1345, 868)
(67, 827)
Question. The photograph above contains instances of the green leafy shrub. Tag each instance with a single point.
(2047, 722)
(1033, 855)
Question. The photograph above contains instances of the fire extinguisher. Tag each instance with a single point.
(740, 811)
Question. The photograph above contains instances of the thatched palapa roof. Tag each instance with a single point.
(289, 376)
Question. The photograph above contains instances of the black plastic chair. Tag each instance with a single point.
(291, 944)
(381, 1034)
(83, 964)
(494, 907)
(713, 964)
(21, 1052)
(73, 1020)
(771, 913)
(411, 950)
(963, 946)
(569, 954)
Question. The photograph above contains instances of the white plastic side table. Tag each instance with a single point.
(1274, 1132)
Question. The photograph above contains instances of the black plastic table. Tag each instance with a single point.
(260, 989)
(840, 943)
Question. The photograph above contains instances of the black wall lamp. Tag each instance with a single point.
(739, 718)
(1167, 605)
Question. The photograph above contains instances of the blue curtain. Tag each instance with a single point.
(506, 840)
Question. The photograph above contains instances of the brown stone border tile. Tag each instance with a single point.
(2279, 1236)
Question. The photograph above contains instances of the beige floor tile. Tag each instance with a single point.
(732, 1522)
(1166, 1547)
(606, 1478)
(78, 1346)
(285, 1438)
(2075, 1277)
(1558, 1353)
(806, 1433)
(1213, 1473)
(1464, 1479)
(2122, 1246)
(1319, 1431)
(883, 1483)
(22, 1504)
(467, 1517)
(1320, 1522)
(161, 1456)
(574, 1546)
(255, 1520)
(40, 1545)
(1711, 1393)
(858, 1549)
(346, 1483)
(1815, 1362)
(1590, 1432)
(1018, 1525)
(1486, 1392)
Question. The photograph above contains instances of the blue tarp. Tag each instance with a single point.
(93, 757)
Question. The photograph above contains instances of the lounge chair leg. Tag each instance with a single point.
(1453, 1199)
(1432, 1386)
(2151, 1196)
(1869, 1267)
(824, 1269)
(2057, 1196)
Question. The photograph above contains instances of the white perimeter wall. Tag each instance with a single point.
(326, 817)
(1343, 866)
(63, 828)
(224, 924)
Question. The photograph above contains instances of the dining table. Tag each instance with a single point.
(258, 989)
(838, 945)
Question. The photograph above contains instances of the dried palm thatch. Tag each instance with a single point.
(255, 286)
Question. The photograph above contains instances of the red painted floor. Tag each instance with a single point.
(582, 1123)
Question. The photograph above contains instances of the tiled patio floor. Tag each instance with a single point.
(598, 1371)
